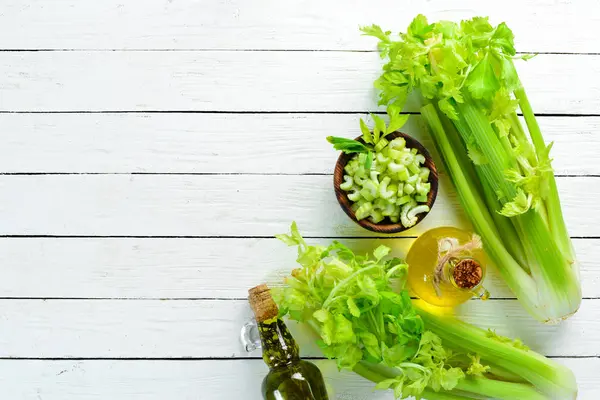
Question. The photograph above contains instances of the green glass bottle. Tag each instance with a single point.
(289, 377)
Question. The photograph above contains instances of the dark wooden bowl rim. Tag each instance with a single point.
(385, 226)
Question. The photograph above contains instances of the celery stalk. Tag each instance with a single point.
(500, 390)
(369, 371)
(547, 376)
(504, 178)
(504, 225)
(546, 285)
(557, 223)
(374, 328)
(473, 204)
(557, 286)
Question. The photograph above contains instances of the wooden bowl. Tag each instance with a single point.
(385, 226)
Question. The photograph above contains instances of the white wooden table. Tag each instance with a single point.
(150, 149)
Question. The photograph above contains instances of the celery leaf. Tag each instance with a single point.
(483, 82)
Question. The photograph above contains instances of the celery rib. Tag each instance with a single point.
(556, 219)
(549, 377)
(466, 72)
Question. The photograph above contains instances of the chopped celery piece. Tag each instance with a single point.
(376, 216)
(398, 144)
(363, 211)
(389, 209)
(379, 167)
(395, 168)
(382, 159)
(420, 159)
(400, 189)
(372, 187)
(424, 174)
(413, 212)
(354, 195)
(381, 144)
(403, 200)
(421, 198)
(374, 177)
(384, 191)
(406, 158)
(414, 168)
(408, 188)
(403, 174)
(405, 218)
(423, 188)
(348, 183)
(413, 180)
(360, 180)
(380, 203)
(366, 193)
(393, 153)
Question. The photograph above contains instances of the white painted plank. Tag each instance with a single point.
(539, 25)
(210, 328)
(231, 143)
(159, 380)
(249, 81)
(222, 205)
(185, 268)
(197, 379)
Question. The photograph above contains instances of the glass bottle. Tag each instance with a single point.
(289, 377)
(446, 267)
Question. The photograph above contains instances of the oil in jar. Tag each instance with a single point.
(446, 266)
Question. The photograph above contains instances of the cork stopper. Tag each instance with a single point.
(262, 303)
(467, 273)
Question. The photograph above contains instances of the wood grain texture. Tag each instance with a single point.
(194, 379)
(539, 25)
(186, 268)
(222, 205)
(228, 143)
(210, 328)
(249, 81)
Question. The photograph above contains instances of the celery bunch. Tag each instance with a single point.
(367, 322)
(466, 76)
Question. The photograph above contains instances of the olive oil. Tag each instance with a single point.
(447, 266)
(289, 377)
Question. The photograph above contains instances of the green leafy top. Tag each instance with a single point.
(447, 61)
(360, 317)
(373, 141)
(471, 62)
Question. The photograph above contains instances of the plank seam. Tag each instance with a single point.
(6, 236)
(198, 358)
(196, 298)
(258, 112)
(222, 174)
(255, 50)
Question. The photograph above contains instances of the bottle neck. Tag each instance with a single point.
(279, 347)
